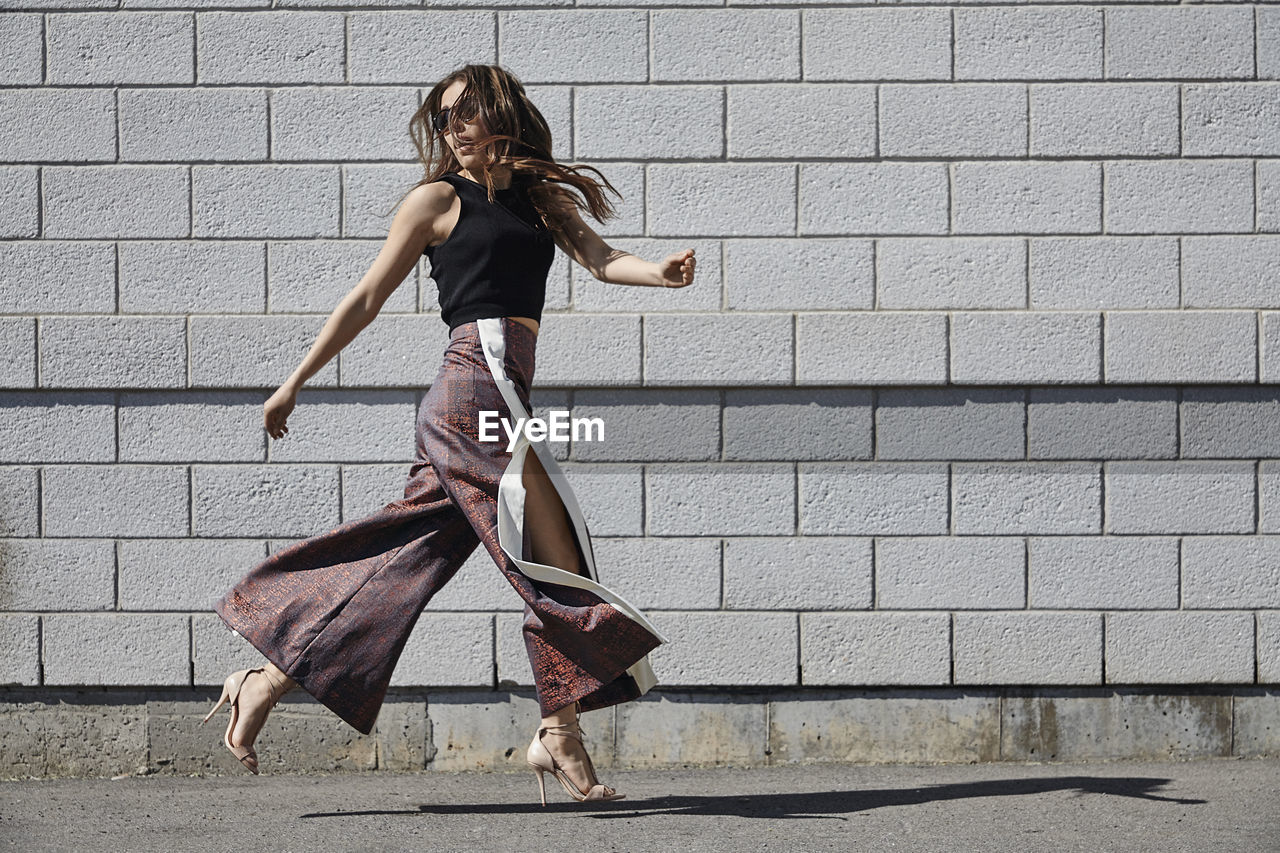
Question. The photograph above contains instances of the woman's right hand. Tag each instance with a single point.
(276, 410)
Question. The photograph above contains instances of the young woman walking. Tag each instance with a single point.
(332, 613)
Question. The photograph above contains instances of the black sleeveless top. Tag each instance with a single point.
(494, 262)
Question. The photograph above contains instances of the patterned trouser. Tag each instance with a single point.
(334, 611)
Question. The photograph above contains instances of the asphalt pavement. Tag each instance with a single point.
(1208, 805)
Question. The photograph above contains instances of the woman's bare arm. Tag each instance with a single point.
(408, 236)
(613, 266)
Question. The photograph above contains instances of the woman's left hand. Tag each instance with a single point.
(677, 269)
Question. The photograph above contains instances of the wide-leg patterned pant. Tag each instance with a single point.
(334, 611)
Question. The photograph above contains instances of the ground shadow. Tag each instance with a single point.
(815, 804)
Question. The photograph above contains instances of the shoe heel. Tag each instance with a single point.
(226, 694)
(542, 788)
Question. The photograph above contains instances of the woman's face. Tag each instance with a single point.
(462, 127)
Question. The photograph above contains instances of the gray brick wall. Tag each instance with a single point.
(976, 385)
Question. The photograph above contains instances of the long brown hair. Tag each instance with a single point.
(519, 139)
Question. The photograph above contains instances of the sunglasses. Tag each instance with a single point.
(464, 110)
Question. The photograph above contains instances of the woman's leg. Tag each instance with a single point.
(553, 544)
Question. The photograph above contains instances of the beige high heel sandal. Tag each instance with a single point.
(231, 693)
(542, 761)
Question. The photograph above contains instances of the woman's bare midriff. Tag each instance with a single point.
(526, 321)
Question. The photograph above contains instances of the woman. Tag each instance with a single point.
(332, 613)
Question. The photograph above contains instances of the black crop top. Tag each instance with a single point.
(494, 262)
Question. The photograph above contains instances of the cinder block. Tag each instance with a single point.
(671, 729)
(55, 125)
(832, 120)
(1104, 120)
(871, 348)
(740, 649)
(252, 352)
(1026, 497)
(372, 194)
(1180, 497)
(312, 276)
(594, 45)
(486, 730)
(1235, 118)
(782, 424)
(117, 648)
(20, 191)
(939, 572)
(1028, 648)
(1269, 356)
(722, 199)
(872, 499)
(387, 48)
(1104, 272)
(182, 574)
(116, 500)
(873, 198)
(118, 738)
(18, 352)
(265, 201)
(113, 352)
(1047, 43)
(1229, 422)
(615, 351)
(710, 44)
(877, 44)
(69, 426)
(19, 500)
(1032, 347)
(1231, 571)
(1179, 196)
(1256, 727)
(350, 426)
(875, 648)
(799, 573)
(20, 638)
(338, 122)
(614, 122)
(24, 35)
(950, 423)
(1180, 346)
(885, 727)
(838, 273)
(1268, 497)
(54, 277)
(246, 47)
(264, 500)
(1102, 572)
(1230, 271)
(57, 574)
(401, 733)
(511, 654)
(724, 349)
(661, 573)
(478, 585)
(947, 120)
(116, 201)
(948, 273)
(217, 651)
(105, 48)
(1093, 725)
(395, 351)
(194, 124)
(650, 424)
(1268, 647)
(1179, 42)
(448, 649)
(217, 277)
(1179, 647)
(1027, 198)
(1102, 423)
(366, 489)
(611, 497)
(720, 499)
(200, 426)
(1268, 212)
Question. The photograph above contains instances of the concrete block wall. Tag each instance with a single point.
(975, 389)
